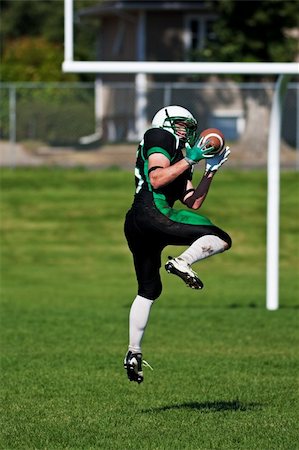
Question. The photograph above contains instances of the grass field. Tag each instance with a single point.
(225, 369)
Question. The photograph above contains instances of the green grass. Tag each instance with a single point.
(225, 369)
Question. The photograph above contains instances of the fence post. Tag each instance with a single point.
(167, 94)
(140, 104)
(12, 124)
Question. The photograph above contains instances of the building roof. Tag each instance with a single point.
(112, 7)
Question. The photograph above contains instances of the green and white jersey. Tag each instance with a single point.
(158, 140)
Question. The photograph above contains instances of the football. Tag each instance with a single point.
(213, 138)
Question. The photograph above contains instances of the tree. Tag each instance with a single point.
(37, 27)
(253, 31)
(33, 59)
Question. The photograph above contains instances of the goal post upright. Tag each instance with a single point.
(284, 71)
(68, 31)
(273, 194)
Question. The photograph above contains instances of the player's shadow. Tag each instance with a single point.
(255, 305)
(215, 406)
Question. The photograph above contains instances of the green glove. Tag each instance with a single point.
(197, 152)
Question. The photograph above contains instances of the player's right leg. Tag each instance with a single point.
(133, 366)
(147, 262)
(178, 266)
(203, 241)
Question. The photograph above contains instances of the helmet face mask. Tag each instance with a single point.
(177, 120)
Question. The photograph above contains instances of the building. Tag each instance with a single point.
(149, 30)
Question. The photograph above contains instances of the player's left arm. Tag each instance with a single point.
(194, 198)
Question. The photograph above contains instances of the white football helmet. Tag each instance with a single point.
(168, 116)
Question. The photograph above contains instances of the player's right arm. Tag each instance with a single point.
(160, 148)
(161, 172)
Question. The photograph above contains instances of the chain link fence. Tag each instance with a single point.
(83, 116)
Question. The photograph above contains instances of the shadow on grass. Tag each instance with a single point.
(255, 305)
(250, 305)
(216, 406)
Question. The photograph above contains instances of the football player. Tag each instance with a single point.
(163, 175)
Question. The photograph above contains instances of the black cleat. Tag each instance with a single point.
(179, 267)
(133, 366)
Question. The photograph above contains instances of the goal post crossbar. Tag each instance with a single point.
(135, 67)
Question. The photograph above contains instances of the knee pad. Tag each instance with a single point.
(228, 241)
(151, 290)
(226, 238)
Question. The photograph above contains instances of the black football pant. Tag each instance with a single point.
(148, 232)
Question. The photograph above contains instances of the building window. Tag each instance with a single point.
(198, 33)
(231, 123)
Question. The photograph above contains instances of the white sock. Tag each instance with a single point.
(202, 248)
(139, 315)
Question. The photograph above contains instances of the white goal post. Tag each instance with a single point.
(284, 71)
